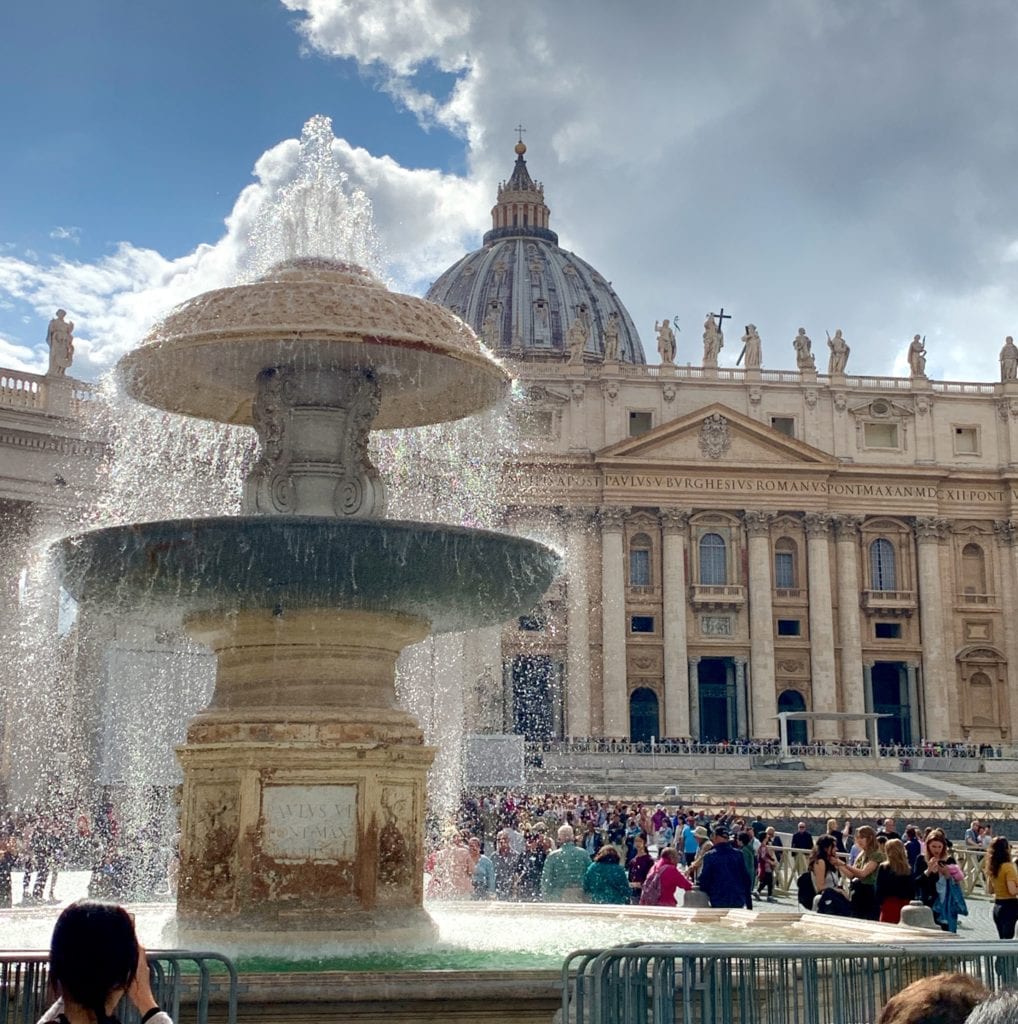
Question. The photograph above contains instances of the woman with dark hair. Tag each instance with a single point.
(932, 871)
(1003, 881)
(605, 880)
(823, 865)
(639, 865)
(94, 961)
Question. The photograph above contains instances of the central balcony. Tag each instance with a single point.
(714, 596)
(889, 602)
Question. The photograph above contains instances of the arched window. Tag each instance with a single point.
(784, 564)
(973, 570)
(639, 561)
(644, 716)
(883, 575)
(713, 560)
(792, 700)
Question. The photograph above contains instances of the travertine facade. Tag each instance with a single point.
(747, 540)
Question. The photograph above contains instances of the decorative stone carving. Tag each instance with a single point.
(577, 391)
(713, 340)
(923, 404)
(917, 356)
(818, 524)
(755, 396)
(839, 353)
(757, 523)
(716, 625)
(810, 397)
(60, 338)
(840, 401)
(666, 346)
(611, 338)
(610, 390)
(791, 666)
(929, 528)
(576, 341)
(1005, 532)
(613, 518)
(668, 393)
(846, 525)
(752, 348)
(1007, 408)
(715, 439)
(674, 520)
(1009, 360)
(804, 358)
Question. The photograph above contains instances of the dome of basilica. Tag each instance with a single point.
(529, 299)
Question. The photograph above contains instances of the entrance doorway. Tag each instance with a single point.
(533, 696)
(792, 700)
(716, 684)
(644, 715)
(890, 697)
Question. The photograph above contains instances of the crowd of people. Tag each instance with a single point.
(575, 848)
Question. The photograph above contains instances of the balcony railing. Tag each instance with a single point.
(789, 593)
(891, 601)
(971, 598)
(713, 596)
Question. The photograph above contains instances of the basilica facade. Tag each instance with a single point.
(740, 541)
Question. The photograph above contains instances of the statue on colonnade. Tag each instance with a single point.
(60, 338)
(1009, 360)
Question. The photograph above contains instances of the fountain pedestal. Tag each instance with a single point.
(304, 784)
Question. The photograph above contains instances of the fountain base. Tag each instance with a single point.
(304, 785)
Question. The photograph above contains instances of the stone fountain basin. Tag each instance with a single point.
(454, 577)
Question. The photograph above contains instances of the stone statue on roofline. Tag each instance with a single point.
(803, 345)
(666, 346)
(1009, 360)
(713, 340)
(576, 340)
(917, 356)
(60, 338)
(752, 349)
(839, 353)
(611, 338)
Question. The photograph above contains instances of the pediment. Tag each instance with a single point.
(716, 434)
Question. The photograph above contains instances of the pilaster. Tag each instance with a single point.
(613, 623)
(929, 532)
(578, 522)
(763, 698)
(821, 623)
(846, 531)
(1007, 547)
(674, 523)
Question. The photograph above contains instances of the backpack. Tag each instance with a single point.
(650, 894)
(806, 889)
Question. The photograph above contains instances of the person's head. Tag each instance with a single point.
(502, 843)
(801, 826)
(889, 825)
(866, 837)
(832, 826)
(607, 855)
(825, 849)
(475, 846)
(894, 849)
(911, 832)
(770, 833)
(938, 999)
(565, 834)
(721, 834)
(936, 844)
(998, 854)
(670, 855)
(640, 842)
(999, 1008)
(93, 954)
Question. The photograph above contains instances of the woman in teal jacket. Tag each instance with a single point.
(606, 880)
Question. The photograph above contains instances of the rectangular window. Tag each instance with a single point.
(639, 423)
(888, 630)
(784, 570)
(783, 425)
(789, 627)
(639, 567)
(881, 435)
(966, 440)
(641, 624)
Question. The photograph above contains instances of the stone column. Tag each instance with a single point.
(578, 522)
(741, 729)
(1007, 550)
(915, 712)
(821, 623)
(613, 624)
(763, 698)
(867, 687)
(694, 698)
(673, 593)
(931, 623)
(846, 530)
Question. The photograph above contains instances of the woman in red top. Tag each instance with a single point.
(671, 877)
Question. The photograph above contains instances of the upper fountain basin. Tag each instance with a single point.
(204, 357)
(453, 577)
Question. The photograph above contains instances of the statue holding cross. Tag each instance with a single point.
(713, 336)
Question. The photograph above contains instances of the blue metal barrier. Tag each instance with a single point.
(184, 993)
(820, 983)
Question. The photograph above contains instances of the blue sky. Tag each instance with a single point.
(827, 163)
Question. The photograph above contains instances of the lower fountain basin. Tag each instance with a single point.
(453, 577)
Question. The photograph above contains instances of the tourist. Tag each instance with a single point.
(746, 845)
(895, 886)
(1002, 878)
(532, 863)
(824, 868)
(999, 1008)
(562, 875)
(864, 874)
(690, 847)
(802, 839)
(888, 829)
(451, 869)
(941, 998)
(484, 871)
(932, 868)
(766, 865)
(913, 847)
(774, 842)
(974, 835)
(723, 875)
(639, 865)
(839, 834)
(95, 960)
(507, 866)
(605, 880)
(664, 879)
(703, 847)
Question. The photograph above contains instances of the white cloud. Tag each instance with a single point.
(19, 357)
(825, 163)
(66, 234)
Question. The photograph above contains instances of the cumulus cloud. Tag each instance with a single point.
(825, 163)
(66, 234)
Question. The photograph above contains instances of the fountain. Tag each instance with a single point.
(304, 782)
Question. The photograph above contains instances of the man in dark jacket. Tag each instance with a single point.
(723, 875)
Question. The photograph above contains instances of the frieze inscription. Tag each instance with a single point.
(310, 822)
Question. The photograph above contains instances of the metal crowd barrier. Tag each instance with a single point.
(836, 983)
(183, 982)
